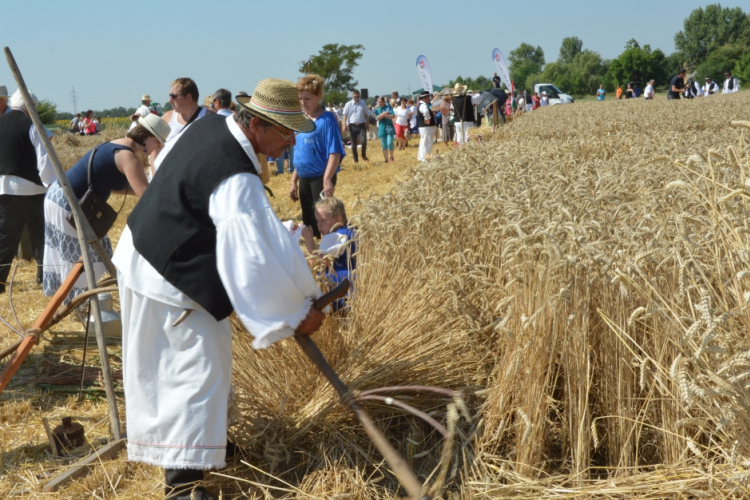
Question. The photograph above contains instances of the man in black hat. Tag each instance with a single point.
(731, 85)
(710, 87)
(426, 125)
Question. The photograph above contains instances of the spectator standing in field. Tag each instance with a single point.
(115, 168)
(710, 87)
(649, 93)
(413, 129)
(496, 81)
(426, 125)
(618, 92)
(731, 85)
(600, 93)
(356, 118)
(544, 101)
(463, 106)
(221, 102)
(317, 154)
(4, 101)
(395, 99)
(446, 108)
(183, 96)
(629, 91)
(692, 89)
(384, 118)
(677, 85)
(403, 116)
(145, 108)
(25, 174)
(537, 101)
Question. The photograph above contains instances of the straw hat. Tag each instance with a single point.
(3, 91)
(146, 97)
(277, 101)
(459, 89)
(158, 127)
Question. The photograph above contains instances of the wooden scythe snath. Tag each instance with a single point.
(86, 236)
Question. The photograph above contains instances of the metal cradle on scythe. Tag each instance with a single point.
(405, 475)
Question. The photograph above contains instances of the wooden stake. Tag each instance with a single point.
(83, 466)
(50, 437)
(85, 234)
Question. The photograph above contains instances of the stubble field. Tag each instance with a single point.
(581, 277)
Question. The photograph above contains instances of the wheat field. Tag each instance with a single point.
(581, 277)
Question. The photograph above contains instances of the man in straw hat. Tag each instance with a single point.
(463, 105)
(145, 108)
(25, 174)
(3, 100)
(204, 241)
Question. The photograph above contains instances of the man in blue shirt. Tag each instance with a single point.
(600, 93)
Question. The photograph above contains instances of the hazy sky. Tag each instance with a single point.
(114, 51)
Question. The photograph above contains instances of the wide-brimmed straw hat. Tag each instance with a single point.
(145, 97)
(3, 91)
(277, 101)
(459, 89)
(158, 127)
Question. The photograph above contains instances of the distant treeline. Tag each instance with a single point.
(714, 40)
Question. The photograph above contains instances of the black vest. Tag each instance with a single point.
(170, 224)
(464, 108)
(17, 154)
(420, 116)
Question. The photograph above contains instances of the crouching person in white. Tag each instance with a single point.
(427, 126)
(205, 239)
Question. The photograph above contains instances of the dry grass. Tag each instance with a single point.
(582, 278)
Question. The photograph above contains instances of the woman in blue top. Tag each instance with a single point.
(114, 169)
(384, 116)
(317, 154)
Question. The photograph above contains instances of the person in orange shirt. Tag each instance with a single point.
(618, 95)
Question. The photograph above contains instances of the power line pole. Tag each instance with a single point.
(74, 100)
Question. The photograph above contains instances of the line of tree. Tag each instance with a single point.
(713, 40)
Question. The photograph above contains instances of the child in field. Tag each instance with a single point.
(337, 240)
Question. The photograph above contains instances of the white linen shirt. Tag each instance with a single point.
(355, 113)
(263, 271)
(224, 112)
(736, 86)
(143, 111)
(18, 186)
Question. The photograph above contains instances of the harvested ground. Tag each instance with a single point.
(580, 277)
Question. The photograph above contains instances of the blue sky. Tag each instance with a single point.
(114, 51)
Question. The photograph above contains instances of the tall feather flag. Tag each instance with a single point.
(502, 68)
(423, 68)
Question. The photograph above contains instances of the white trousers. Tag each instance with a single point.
(462, 133)
(177, 382)
(426, 138)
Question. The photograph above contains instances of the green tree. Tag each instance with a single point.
(479, 83)
(571, 47)
(335, 63)
(526, 60)
(47, 111)
(637, 61)
(721, 60)
(579, 77)
(742, 68)
(705, 30)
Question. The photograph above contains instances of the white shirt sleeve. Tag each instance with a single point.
(424, 110)
(333, 244)
(476, 99)
(264, 273)
(43, 162)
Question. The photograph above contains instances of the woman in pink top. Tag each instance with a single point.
(89, 127)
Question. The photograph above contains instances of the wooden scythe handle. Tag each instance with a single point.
(392, 457)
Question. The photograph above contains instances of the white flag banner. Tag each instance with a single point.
(423, 68)
(502, 67)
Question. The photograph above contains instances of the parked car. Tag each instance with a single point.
(556, 96)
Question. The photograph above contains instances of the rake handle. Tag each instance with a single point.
(392, 457)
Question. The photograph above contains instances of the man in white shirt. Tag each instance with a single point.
(144, 109)
(544, 101)
(649, 92)
(221, 102)
(3, 100)
(731, 85)
(356, 117)
(205, 239)
(426, 124)
(25, 174)
(710, 87)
